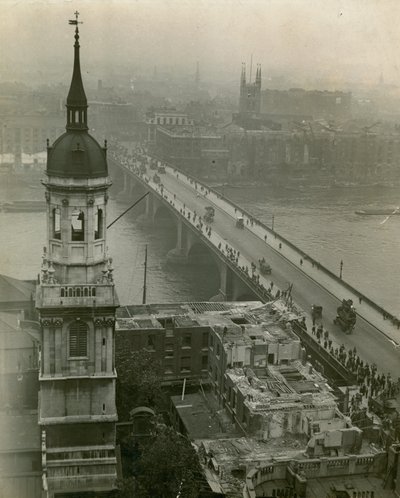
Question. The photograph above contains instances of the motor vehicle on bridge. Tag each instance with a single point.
(265, 268)
(240, 222)
(209, 214)
(316, 312)
(346, 316)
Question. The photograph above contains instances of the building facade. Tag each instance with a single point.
(164, 116)
(198, 150)
(76, 301)
(175, 339)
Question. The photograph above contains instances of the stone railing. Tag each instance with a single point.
(76, 295)
(297, 472)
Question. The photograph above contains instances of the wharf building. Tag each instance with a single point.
(312, 155)
(76, 301)
(164, 116)
(197, 150)
(175, 139)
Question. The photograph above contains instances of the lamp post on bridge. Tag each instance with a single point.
(341, 269)
(272, 224)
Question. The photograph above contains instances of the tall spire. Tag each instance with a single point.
(76, 100)
(243, 78)
(258, 76)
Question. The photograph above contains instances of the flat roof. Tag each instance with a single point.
(197, 419)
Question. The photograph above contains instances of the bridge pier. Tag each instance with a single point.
(128, 186)
(179, 255)
(223, 283)
(151, 204)
(232, 287)
(239, 291)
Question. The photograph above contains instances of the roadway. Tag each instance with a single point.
(372, 345)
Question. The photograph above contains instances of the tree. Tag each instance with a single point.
(138, 382)
(169, 466)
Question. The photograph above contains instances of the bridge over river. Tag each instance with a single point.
(376, 335)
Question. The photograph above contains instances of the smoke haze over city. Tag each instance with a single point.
(338, 42)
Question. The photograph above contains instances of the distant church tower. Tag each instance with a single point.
(76, 300)
(250, 93)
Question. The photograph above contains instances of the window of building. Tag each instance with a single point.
(78, 225)
(187, 341)
(205, 340)
(78, 339)
(56, 223)
(185, 364)
(204, 362)
(98, 224)
(150, 341)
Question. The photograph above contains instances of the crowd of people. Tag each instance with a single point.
(370, 382)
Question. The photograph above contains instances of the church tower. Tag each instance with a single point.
(250, 93)
(76, 300)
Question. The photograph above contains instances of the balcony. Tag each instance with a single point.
(85, 295)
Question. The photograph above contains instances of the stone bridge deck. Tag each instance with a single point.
(376, 338)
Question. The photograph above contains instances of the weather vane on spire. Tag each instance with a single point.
(75, 22)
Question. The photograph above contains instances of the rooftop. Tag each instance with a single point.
(282, 386)
(198, 420)
(12, 289)
(240, 322)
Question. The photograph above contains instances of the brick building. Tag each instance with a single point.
(198, 150)
(173, 336)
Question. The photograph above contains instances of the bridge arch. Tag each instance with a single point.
(246, 296)
(199, 254)
(163, 215)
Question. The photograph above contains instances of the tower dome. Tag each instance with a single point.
(76, 154)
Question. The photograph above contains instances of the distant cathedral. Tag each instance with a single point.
(76, 300)
(250, 93)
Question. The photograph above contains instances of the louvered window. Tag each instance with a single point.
(78, 334)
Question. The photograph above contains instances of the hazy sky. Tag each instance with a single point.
(341, 39)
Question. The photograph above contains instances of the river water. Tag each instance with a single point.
(322, 222)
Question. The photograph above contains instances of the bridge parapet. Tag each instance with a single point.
(373, 313)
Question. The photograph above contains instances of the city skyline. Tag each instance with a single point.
(344, 42)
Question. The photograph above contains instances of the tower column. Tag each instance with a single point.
(77, 301)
